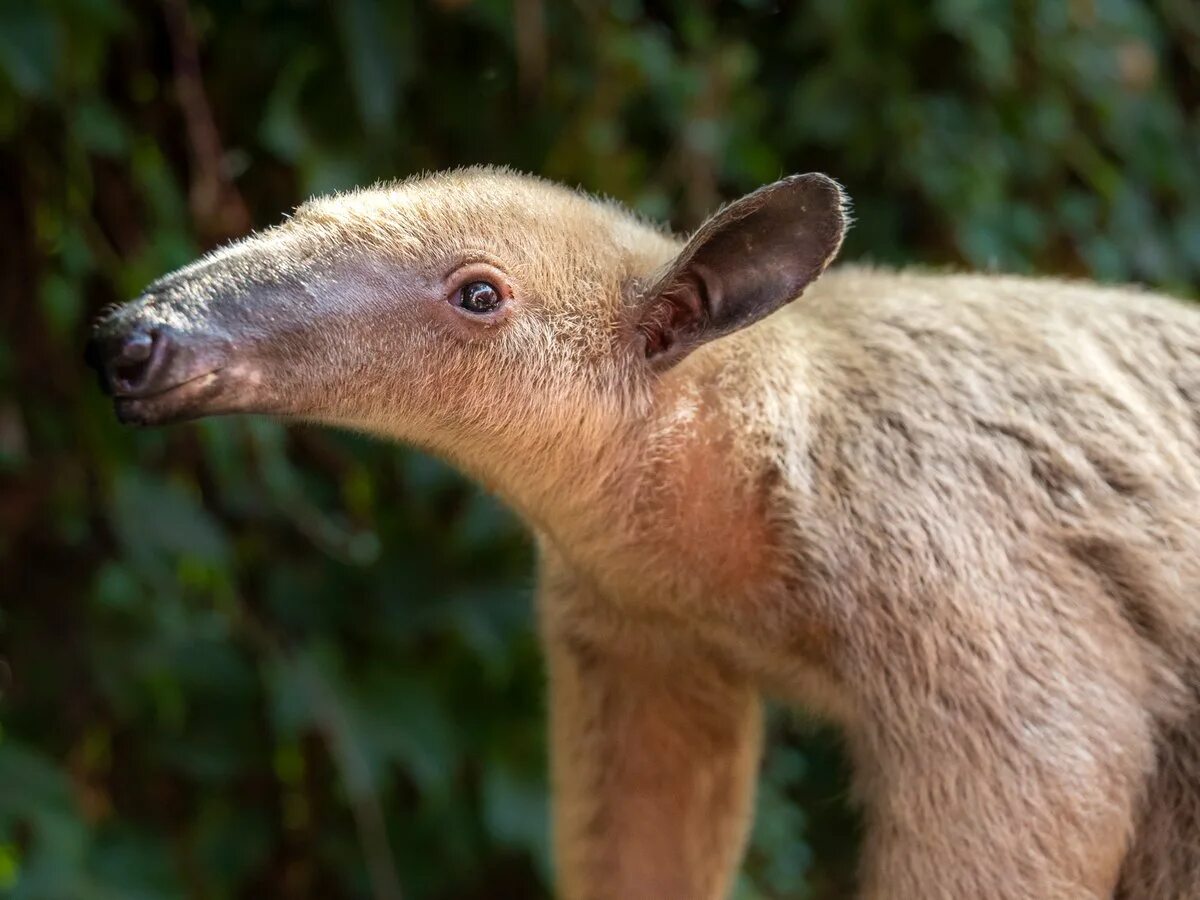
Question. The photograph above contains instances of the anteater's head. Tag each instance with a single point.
(449, 309)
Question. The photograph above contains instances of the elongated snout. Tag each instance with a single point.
(153, 372)
(134, 363)
(283, 322)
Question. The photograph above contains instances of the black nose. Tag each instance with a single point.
(128, 362)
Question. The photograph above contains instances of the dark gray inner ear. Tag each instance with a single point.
(752, 257)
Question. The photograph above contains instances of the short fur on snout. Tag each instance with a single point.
(959, 515)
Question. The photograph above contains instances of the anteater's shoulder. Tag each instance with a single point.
(873, 292)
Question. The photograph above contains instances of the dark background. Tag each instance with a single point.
(243, 660)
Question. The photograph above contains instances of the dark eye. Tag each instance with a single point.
(479, 297)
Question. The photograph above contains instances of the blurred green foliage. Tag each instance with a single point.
(244, 661)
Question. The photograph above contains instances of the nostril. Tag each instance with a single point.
(133, 360)
(136, 348)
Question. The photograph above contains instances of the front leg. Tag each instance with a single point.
(1006, 778)
(654, 754)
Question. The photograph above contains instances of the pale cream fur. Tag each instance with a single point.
(959, 515)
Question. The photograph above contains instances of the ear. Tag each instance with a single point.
(745, 262)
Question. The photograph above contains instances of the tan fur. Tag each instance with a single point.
(958, 514)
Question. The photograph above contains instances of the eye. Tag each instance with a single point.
(479, 297)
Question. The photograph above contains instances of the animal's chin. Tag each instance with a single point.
(209, 394)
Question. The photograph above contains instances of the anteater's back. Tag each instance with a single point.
(1014, 462)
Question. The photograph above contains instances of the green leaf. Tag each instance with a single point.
(515, 811)
(153, 517)
(377, 44)
(100, 131)
(29, 47)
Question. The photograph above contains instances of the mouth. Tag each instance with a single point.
(188, 399)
